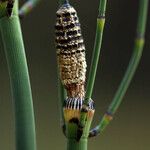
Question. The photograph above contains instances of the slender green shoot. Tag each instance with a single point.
(134, 61)
(27, 7)
(95, 59)
(20, 85)
(72, 144)
(97, 48)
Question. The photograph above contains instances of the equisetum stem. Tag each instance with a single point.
(72, 144)
(97, 48)
(27, 7)
(20, 84)
(134, 61)
(95, 59)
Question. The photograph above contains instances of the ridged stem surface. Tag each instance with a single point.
(19, 78)
(72, 144)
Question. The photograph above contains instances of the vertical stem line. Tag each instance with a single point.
(72, 144)
(20, 84)
(142, 17)
(97, 48)
(94, 64)
(95, 58)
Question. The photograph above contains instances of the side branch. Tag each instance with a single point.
(133, 64)
(95, 58)
(93, 69)
(94, 63)
(104, 122)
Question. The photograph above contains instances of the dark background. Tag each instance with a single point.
(130, 129)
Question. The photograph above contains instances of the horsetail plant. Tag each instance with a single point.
(77, 111)
(77, 106)
(133, 64)
(18, 71)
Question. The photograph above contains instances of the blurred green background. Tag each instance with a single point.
(130, 129)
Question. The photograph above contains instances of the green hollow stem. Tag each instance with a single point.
(97, 49)
(136, 56)
(72, 144)
(19, 78)
(133, 64)
(95, 59)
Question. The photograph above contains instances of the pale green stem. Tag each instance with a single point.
(72, 144)
(19, 78)
(97, 49)
(133, 64)
(95, 59)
